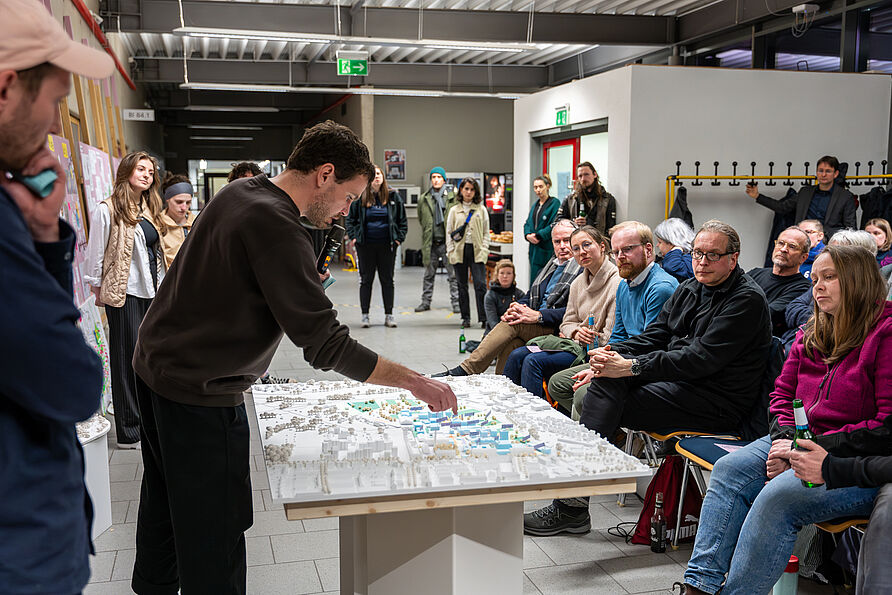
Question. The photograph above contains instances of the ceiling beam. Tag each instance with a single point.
(162, 16)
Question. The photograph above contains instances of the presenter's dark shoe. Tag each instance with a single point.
(554, 519)
(456, 371)
(466, 323)
(422, 307)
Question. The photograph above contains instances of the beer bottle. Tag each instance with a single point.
(461, 340)
(802, 433)
(658, 527)
(581, 209)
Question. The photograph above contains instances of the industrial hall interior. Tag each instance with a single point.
(445, 297)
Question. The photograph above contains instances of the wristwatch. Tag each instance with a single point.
(540, 319)
(636, 367)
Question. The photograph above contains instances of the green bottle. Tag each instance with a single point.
(581, 209)
(461, 340)
(802, 433)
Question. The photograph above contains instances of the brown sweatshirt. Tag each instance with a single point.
(247, 273)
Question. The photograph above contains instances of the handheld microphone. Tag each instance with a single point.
(332, 242)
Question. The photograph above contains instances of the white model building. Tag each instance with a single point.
(326, 439)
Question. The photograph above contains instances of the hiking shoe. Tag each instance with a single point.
(553, 520)
(456, 371)
(389, 321)
(422, 307)
(130, 445)
(365, 321)
(466, 323)
(277, 380)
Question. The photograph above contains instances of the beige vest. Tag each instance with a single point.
(116, 260)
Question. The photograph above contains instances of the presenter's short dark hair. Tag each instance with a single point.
(328, 142)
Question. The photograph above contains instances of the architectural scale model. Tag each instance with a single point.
(323, 440)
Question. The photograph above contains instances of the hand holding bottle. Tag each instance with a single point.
(807, 461)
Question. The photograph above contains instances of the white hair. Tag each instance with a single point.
(676, 232)
(855, 237)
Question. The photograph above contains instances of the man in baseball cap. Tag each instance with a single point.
(49, 377)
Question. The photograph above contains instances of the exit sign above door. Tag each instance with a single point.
(562, 115)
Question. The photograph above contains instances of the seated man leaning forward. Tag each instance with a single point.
(698, 366)
(539, 312)
(639, 301)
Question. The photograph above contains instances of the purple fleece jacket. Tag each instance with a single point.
(853, 394)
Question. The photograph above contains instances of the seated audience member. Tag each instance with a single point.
(698, 366)
(502, 291)
(638, 302)
(826, 201)
(538, 313)
(245, 169)
(782, 282)
(886, 272)
(882, 235)
(868, 467)
(800, 309)
(815, 232)
(587, 322)
(674, 239)
(176, 218)
(748, 525)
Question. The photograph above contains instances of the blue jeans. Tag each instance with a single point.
(529, 369)
(748, 528)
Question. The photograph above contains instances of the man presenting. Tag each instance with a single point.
(782, 282)
(433, 206)
(49, 378)
(246, 275)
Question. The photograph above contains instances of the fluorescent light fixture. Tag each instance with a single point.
(221, 138)
(436, 44)
(228, 108)
(221, 127)
(341, 90)
(202, 164)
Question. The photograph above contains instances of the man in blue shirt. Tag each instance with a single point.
(49, 378)
(638, 302)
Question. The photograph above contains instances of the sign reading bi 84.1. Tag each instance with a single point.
(353, 63)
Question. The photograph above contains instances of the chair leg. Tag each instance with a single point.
(684, 490)
(650, 450)
(697, 472)
(630, 438)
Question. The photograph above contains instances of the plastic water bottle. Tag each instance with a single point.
(788, 584)
(591, 324)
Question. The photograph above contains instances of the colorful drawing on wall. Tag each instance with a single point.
(72, 212)
(395, 164)
(116, 161)
(98, 178)
(94, 335)
(494, 193)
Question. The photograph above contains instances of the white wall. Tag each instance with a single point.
(658, 115)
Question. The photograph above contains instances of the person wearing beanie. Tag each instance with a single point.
(433, 207)
(49, 377)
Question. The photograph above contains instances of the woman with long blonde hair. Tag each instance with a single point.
(125, 265)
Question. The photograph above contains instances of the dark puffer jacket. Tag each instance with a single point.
(496, 302)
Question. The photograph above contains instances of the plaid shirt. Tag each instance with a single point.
(558, 296)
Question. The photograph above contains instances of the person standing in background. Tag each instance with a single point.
(590, 203)
(467, 245)
(245, 169)
(537, 229)
(377, 224)
(433, 207)
(176, 219)
(125, 266)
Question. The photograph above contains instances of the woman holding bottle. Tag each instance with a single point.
(125, 266)
(467, 247)
(537, 229)
(840, 368)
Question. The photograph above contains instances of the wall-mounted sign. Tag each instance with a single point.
(140, 115)
(562, 115)
(353, 63)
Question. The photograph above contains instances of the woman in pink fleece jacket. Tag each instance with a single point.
(840, 366)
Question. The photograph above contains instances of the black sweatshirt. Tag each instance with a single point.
(779, 291)
(245, 274)
(863, 471)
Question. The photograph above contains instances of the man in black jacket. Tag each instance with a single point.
(826, 201)
(698, 366)
(590, 203)
(868, 464)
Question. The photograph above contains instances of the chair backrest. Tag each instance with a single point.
(755, 425)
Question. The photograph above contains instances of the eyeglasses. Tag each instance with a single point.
(584, 246)
(625, 250)
(788, 245)
(710, 256)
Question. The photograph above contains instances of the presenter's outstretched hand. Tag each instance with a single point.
(437, 395)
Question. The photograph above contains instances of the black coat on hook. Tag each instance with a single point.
(840, 210)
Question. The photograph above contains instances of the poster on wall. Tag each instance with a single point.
(98, 179)
(72, 212)
(395, 164)
(94, 335)
(494, 192)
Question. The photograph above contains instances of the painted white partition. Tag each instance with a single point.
(658, 115)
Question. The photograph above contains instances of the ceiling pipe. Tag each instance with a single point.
(335, 104)
(103, 41)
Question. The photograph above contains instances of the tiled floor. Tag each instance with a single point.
(287, 557)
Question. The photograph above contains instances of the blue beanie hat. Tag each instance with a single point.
(439, 170)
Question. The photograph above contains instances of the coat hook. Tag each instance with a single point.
(753, 172)
(696, 173)
(856, 182)
(789, 169)
(715, 182)
(868, 181)
(734, 182)
(806, 181)
(677, 168)
(771, 173)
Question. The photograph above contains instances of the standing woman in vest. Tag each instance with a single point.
(125, 265)
(467, 246)
(377, 223)
(537, 229)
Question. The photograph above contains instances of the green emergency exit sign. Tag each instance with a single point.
(562, 115)
(353, 63)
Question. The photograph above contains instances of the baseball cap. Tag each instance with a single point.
(30, 36)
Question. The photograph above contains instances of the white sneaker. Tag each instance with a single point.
(365, 321)
(130, 446)
(389, 321)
